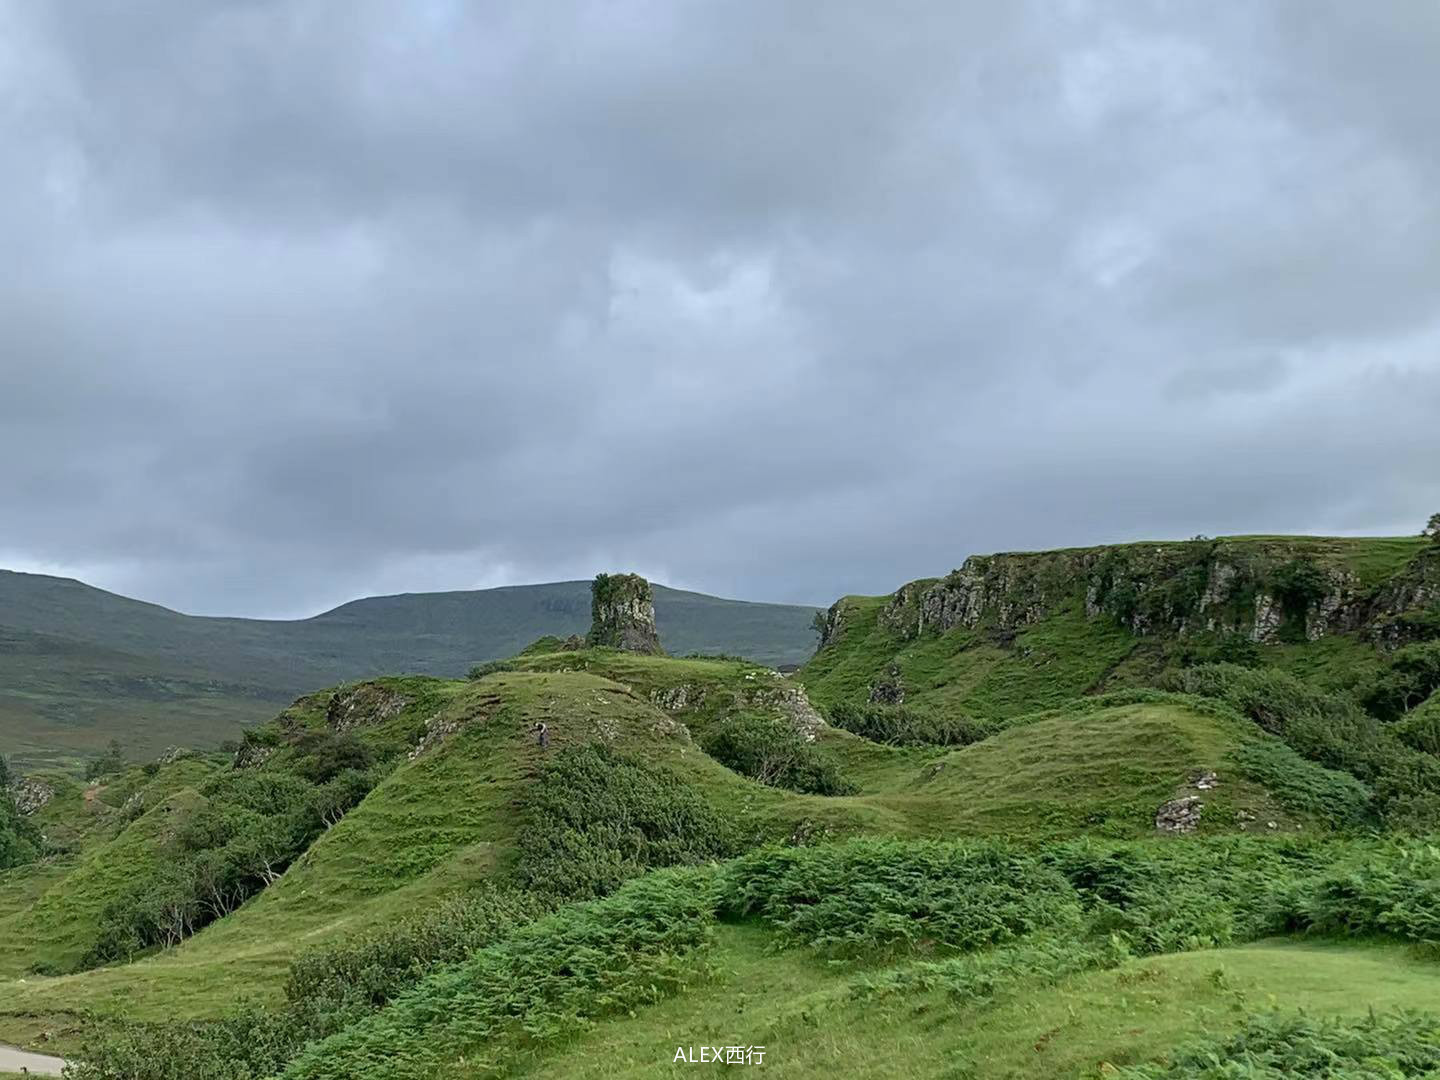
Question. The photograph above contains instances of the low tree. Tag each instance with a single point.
(1432, 528)
(19, 839)
(112, 761)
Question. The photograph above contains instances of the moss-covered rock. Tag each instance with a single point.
(622, 614)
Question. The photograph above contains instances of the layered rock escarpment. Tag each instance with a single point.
(1266, 590)
(622, 614)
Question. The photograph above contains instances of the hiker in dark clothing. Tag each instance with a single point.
(542, 735)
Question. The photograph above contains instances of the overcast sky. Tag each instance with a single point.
(780, 300)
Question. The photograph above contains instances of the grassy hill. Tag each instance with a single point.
(971, 882)
(79, 666)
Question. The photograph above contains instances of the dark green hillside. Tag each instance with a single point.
(79, 666)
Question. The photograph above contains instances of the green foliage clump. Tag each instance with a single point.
(594, 818)
(111, 761)
(328, 989)
(1228, 648)
(250, 1044)
(975, 978)
(540, 983)
(1298, 585)
(897, 725)
(1159, 898)
(491, 667)
(1421, 728)
(1330, 729)
(373, 971)
(19, 839)
(770, 750)
(1277, 1047)
(868, 895)
(1393, 888)
(252, 824)
(1303, 787)
(1411, 676)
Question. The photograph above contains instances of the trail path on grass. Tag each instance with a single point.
(14, 1061)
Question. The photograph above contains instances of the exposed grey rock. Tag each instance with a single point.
(363, 706)
(793, 704)
(889, 690)
(437, 729)
(1268, 617)
(678, 698)
(30, 794)
(252, 754)
(1179, 815)
(173, 754)
(669, 728)
(1205, 781)
(622, 614)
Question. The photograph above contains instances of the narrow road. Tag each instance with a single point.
(19, 1061)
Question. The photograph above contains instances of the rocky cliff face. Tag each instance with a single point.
(1268, 591)
(622, 614)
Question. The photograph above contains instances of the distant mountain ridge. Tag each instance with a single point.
(79, 665)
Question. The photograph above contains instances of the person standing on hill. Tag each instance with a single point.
(541, 731)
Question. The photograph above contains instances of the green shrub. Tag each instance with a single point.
(1277, 1047)
(543, 982)
(770, 750)
(975, 978)
(1163, 897)
(897, 725)
(112, 761)
(1393, 888)
(866, 895)
(19, 838)
(1420, 730)
(1412, 675)
(594, 818)
(252, 825)
(1304, 787)
(373, 971)
(491, 667)
(1330, 729)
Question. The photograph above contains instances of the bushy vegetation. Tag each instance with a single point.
(374, 970)
(111, 761)
(1331, 729)
(770, 750)
(250, 826)
(1421, 729)
(595, 817)
(543, 982)
(492, 976)
(1302, 787)
(1411, 676)
(897, 725)
(1277, 1046)
(878, 894)
(19, 839)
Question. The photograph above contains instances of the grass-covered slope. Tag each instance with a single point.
(79, 666)
(1009, 634)
(465, 773)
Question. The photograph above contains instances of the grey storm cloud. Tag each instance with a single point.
(306, 300)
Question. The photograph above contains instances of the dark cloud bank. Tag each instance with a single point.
(778, 300)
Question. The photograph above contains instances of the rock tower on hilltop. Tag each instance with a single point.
(622, 614)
